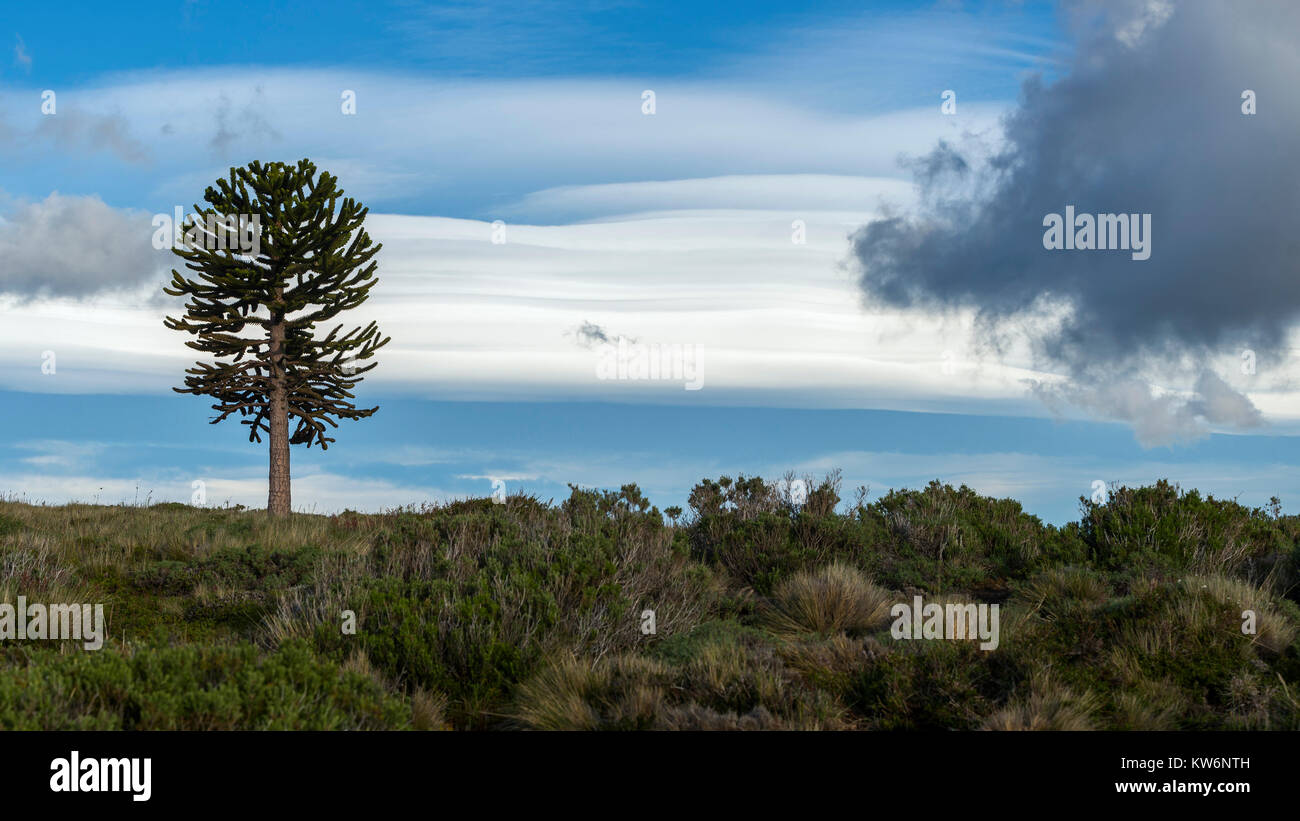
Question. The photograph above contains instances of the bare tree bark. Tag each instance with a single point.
(279, 502)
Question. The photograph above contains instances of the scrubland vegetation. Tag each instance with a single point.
(768, 615)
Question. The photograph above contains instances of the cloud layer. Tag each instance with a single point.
(1148, 120)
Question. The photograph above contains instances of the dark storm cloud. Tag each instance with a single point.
(1148, 120)
(589, 335)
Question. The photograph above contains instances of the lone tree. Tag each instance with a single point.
(307, 262)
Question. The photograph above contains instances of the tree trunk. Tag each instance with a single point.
(279, 502)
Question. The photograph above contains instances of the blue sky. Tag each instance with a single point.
(836, 59)
(674, 228)
(530, 40)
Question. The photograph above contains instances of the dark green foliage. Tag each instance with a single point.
(928, 686)
(471, 613)
(934, 539)
(680, 649)
(193, 688)
(248, 568)
(430, 635)
(314, 261)
(1160, 526)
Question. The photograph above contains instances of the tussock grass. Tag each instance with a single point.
(1274, 630)
(838, 598)
(623, 692)
(1048, 707)
(1151, 705)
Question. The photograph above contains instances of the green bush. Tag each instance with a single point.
(193, 688)
(1162, 527)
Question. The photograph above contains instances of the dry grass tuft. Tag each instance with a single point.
(624, 692)
(1048, 707)
(838, 598)
(1274, 631)
(428, 710)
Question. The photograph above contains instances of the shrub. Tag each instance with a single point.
(193, 688)
(926, 685)
(1162, 527)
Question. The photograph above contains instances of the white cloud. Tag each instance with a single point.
(775, 322)
(55, 453)
(681, 258)
(322, 493)
(775, 193)
(482, 141)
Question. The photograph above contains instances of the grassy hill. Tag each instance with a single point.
(768, 615)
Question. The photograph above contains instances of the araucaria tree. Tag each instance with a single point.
(277, 250)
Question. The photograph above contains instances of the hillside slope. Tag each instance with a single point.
(765, 614)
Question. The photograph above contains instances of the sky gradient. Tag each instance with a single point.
(530, 209)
